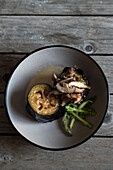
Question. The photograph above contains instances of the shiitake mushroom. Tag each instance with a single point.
(81, 77)
(42, 106)
(72, 83)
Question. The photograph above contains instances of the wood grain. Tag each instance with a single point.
(9, 61)
(23, 33)
(7, 64)
(5, 124)
(16, 153)
(105, 130)
(57, 7)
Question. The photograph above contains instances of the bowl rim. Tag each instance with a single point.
(8, 81)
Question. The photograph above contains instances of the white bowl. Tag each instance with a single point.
(51, 135)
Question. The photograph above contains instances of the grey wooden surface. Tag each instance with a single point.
(28, 25)
(94, 154)
(57, 7)
(25, 33)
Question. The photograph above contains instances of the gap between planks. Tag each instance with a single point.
(60, 15)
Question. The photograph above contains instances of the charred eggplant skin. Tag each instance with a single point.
(43, 118)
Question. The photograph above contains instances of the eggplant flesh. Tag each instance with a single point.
(46, 118)
(42, 107)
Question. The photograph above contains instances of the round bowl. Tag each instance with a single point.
(51, 135)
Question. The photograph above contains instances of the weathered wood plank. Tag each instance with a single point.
(8, 62)
(60, 7)
(106, 63)
(107, 127)
(5, 124)
(16, 153)
(24, 33)
(105, 130)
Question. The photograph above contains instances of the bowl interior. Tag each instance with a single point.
(52, 135)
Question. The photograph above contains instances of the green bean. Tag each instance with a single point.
(89, 112)
(72, 123)
(82, 120)
(65, 123)
(77, 110)
(82, 105)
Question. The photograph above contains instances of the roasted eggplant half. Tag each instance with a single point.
(72, 83)
(42, 106)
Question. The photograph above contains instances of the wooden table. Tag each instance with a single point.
(26, 25)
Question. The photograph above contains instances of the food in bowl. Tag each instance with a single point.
(72, 84)
(64, 98)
